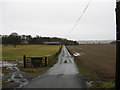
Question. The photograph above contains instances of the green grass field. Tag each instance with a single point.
(28, 50)
(8, 51)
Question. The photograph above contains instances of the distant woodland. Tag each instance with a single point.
(16, 39)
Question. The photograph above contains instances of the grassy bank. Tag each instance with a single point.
(96, 63)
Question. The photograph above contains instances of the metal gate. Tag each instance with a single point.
(35, 61)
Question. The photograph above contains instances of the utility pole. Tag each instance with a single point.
(117, 79)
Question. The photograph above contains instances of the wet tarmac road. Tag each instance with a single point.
(64, 74)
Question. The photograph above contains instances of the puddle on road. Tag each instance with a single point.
(65, 64)
(16, 75)
(65, 61)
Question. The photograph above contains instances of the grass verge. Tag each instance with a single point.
(96, 79)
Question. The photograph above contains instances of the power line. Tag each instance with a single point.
(79, 17)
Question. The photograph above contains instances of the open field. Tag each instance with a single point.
(28, 50)
(11, 53)
(97, 59)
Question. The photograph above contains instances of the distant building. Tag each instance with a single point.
(24, 42)
(51, 43)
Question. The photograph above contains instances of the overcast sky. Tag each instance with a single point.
(55, 18)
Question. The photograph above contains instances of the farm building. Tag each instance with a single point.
(51, 43)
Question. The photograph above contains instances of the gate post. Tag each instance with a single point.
(24, 60)
(45, 61)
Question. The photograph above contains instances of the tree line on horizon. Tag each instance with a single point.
(16, 39)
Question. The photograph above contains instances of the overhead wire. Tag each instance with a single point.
(79, 18)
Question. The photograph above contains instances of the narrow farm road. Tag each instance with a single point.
(64, 74)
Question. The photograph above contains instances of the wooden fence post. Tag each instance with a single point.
(24, 60)
(45, 61)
